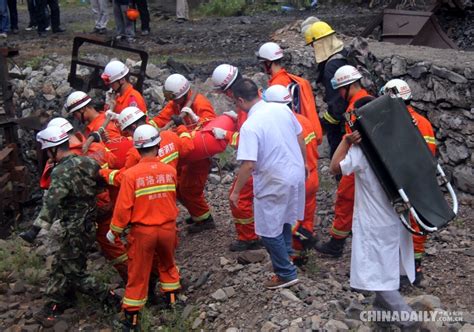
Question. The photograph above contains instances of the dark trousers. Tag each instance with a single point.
(31, 12)
(42, 16)
(13, 14)
(142, 6)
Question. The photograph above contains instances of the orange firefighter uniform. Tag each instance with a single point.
(312, 182)
(130, 97)
(243, 212)
(147, 201)
(192, 174)
(173, 146)
(111, 129)
(307, 102)
(426, 130)
(344, 206)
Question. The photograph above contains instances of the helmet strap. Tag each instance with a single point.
(348, 89)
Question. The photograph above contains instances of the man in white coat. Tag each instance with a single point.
(272, 149)
(382, 249)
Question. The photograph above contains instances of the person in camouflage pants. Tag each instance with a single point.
(72, 199)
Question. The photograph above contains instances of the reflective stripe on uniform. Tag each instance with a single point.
(106, 165)
(119, 259)
(151, 122)
(170, 157)
(202, 217)
(418, 255)
(155, 189)
(235, 136)
(134, 303)
(112, 176)
(339, 233)
(309, 138)
(116, 228)
(170, 286)
(188, 135)
(243, 221)
(430, 139)
(330, 119)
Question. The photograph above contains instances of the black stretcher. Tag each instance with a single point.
(403, 163)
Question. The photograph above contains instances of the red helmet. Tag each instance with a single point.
(132, 14)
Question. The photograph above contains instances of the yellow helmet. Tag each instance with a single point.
(317, 31)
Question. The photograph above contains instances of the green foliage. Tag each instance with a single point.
(16, 258)
(221, 8)
(35, 62)
(225, 158)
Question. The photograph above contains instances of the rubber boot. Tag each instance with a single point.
(31, 234)
(131, 321)
(334, 247)
(199, 226)
(112, 300)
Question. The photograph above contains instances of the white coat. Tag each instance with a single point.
(382, 249)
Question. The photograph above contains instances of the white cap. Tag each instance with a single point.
(402, 88)
(114, 71)
(223, 76)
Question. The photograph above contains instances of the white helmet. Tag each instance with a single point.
(270, 52)
(128, 116)
(176, 86)
(223, 76)
(402, 89)
(277, 94)
(76, 100)
(51, 136)
(61, 123)
(114, 71)
(344, 76)
(146, 136)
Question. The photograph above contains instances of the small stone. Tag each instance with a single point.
(315, 322)
(467, 328)
(354, 309)
(187, 311)
(469, 73)
(61, 326)
(289, 295)
(245, 20)
(18, 287)
(399, 66)
(464, 178)
(229, 291)
(28, 94)
(219, 295)
(152, 71)
(214, 178)
(417, 70)
(335, 325)
(233, 268)
(232, 329)
(63, 90)
(197, 322)
(353, 324)
(364, 328)
(431, 251)
(49, 97)
(227, 179)
(202, 279)
(424, 302)
(269, 327)
(224, 261)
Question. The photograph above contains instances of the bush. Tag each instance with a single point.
(221, 8)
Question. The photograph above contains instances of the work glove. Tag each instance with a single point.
(190, 113)
(219, 133)
(177, 120)
(110, 100)
(232, 114)
(112, 115)
(111, 236)
(306, 238)
(31, 234)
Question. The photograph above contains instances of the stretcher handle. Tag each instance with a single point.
(408, 226)
(450, 189)
(414, 214)
(101, 130)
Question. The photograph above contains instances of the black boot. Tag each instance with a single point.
(131, 321)
(199, 226)
(333, 247)
(239, 245)
(113, 301)
(306, 238)
(418, 273)
(47, 316)
(31, 234)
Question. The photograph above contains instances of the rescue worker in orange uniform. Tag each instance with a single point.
(123, 94)
(401, 89)
(147, 201)
(79, 104)
(303, 234)
(223, 77)
(116, 255)
(270, 55)
(346, 82)
(193, 110)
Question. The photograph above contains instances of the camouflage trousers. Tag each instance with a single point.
(69, 268)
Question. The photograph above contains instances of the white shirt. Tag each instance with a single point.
(382, 248)
(269, 137)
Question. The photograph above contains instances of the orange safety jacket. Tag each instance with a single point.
(307, 101)
(130, 97)
(147, 195)
(201, 107)
(173, 146)
(310, 141)
(95, 124)
(360, 94)
(425, 128)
